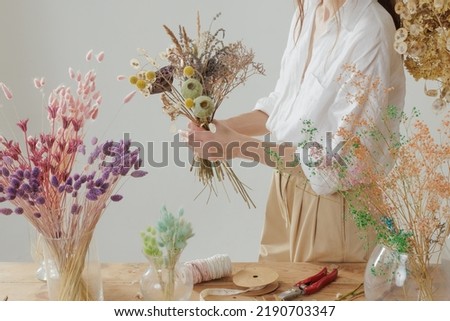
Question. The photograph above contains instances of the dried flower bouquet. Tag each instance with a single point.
(38, 178)
(205, 71)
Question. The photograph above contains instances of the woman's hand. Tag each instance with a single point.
(219, 144)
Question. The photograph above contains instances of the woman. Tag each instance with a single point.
(305, 215)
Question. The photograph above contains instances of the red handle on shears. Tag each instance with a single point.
(327, 279)
(312, 279)
(318, 281)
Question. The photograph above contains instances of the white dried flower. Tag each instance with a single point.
(401, 47)
(135, 63)
(439, 105)
(415, 29)
(438, 4)
(412, 6)
(401, 34)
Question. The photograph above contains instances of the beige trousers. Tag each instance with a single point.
(301, 226)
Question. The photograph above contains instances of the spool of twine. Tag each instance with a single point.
(256, 281)
(211, 268)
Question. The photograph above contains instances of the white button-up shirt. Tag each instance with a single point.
(360, 34)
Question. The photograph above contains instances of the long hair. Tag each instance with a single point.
(389, 5)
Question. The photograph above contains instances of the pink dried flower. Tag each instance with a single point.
(100, 56)
(89, 55)
(6, 91)
(71, 73)
(23, 125)
(128, 97)
(37, 83)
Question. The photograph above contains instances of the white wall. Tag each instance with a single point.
(44, 38)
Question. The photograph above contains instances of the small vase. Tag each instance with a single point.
(73, 268)
(166, 279)
(37, 253)
(391, 276)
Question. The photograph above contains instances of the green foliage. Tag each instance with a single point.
(169, 236)
(384, 227)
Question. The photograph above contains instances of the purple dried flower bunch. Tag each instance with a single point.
(36, 177)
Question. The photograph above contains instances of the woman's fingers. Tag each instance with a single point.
(211, 145)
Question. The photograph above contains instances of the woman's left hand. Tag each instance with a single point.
(220, 143)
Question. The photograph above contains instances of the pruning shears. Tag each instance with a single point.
(310, 285)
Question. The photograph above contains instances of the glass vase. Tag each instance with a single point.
(166, 279)
(37, 252)
(391, 276)
(73, 268)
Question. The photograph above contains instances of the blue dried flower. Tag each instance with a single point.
(18, 210)
(19, 174)
(27, 174)
(35, 172)
(5, 172)
(14, 183)
(6, 211)
(69, 181)
(139, 173)
(77, 185)
(116, 198)
(40, 200)
(54, 181)
(91, 196)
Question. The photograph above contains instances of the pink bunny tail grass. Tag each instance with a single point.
(128, 97)
(89, 55)
(8, 94)
(100, 56)
(39, 82)
(71, 73)
(121, 77)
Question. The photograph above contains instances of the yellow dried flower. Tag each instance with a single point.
(399, 8)
(424, 40)
(188, 71)
(133, 79)
(447, 99)
(141, 84)
(150, 76)
(415, 29)
(412, 6)
(189, 103)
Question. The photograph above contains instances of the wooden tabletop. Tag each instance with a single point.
(121, 281)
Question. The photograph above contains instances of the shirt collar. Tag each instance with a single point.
(351, 11)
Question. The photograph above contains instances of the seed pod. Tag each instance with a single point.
(191, 88)
(203, 107)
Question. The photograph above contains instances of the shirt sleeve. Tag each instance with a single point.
(267, 104)
(374, 66)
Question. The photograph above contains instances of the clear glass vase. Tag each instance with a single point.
(391, 276)
(166, 279)
(73, 268)
(37, 252)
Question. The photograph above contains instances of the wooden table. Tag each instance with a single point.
(121, 281)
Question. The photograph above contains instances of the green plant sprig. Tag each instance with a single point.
(169, 236)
